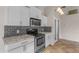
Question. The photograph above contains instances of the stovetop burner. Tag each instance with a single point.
(33, 32)
(39, 34)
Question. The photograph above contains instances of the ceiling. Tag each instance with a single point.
(67, 8)
(47, 9)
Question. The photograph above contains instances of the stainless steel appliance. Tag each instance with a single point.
(35, 22)
(39, 39)
(39, 42)
(31, 31)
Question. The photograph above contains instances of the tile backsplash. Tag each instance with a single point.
(12, 30)
(44, 29)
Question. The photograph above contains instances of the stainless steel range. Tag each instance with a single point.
(39, 39)
(39, 42)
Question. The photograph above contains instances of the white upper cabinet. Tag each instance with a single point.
(25, 15)
(35, 12)
(20, 15)
(13, 16)
(44, 21)
(17, 16)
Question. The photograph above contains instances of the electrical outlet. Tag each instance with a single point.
(17, 31)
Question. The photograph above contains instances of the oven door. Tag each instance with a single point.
(39, 44)
(40, 41)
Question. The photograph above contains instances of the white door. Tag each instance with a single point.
(56, 22)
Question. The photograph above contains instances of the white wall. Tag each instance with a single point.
(50, 12)
(2, 18)
(70, 27)
(70, 8)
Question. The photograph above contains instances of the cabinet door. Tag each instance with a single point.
(24, 16)
(13, 16)
(44, 21)
(51, 39)
(29, 48)
(35, 12)
(47, 40)
(16, 50)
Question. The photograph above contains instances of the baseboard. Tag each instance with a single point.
(53, 42)
(69, 40)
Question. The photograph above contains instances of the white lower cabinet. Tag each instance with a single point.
(29, 48)
(48, 39)
(47, 42)
(24, 47)
(16, 50)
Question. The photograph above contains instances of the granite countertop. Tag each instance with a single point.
(21, 38)
(16, 39)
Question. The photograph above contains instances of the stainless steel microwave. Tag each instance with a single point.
(35, 22)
